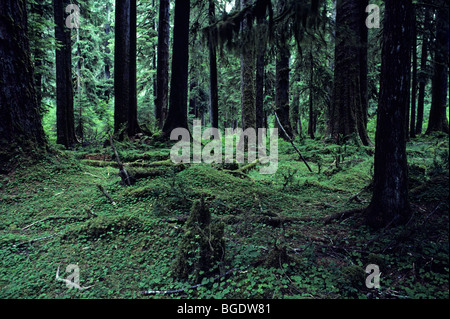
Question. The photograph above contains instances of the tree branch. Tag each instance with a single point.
(292, 142)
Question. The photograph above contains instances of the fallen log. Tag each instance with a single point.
(277, 221)
(53, 218)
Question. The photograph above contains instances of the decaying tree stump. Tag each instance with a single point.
(202, 246)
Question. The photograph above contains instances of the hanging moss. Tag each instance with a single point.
(202, 246)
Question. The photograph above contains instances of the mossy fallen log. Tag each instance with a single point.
(155, 171)
(242, 172)
(97, 163)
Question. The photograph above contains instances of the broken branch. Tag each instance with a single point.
(292, 142)
(53, 218)
(102, 189)
(122, 171)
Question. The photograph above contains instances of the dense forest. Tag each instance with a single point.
(227, 149)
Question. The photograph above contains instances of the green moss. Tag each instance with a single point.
(202, 246)
(353, 275)
(99, 163)
(105, 226)
(237, 193)
(277, 257)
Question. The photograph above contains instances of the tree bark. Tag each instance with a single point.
(282, 78)
(162, 71)
(39, 54)
(125, 107)
(312, 117)
(107, 71)
(248, 107)
(177, 116)
(213, 86)
(282, 88)
(294, 113)
(438, 121)
(79, 130)
(21, 132)
(390, 204)
(348, 116)
(424, 77)
(65, 118)
(133, 126)
(412, 128)
(259, 77)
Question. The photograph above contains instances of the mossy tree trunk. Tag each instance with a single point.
(21, 131)
(259, 76)
(213, 85)
(390, 204)
(348, 118)
(65, 118)
(248, 106)
(37, 9)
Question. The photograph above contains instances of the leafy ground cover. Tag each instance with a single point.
(293, 234)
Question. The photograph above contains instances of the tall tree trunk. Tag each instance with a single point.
(282, 88)
(438, 118)
(390, 204)
(133, 126)
(21, 133)
(311, 119)
(155, 66)
(107, 71)
(259, 77)
(348, 116)
(162, 71)
(294, 109)
(65, 119)
(193, 105)
(177, 117)
(79, 129)
(282, 78)
(362, 112)
(122, 66)
(412, 129)
(39, 55)
(125, 108)
(248, 108)
(213, 86)
(423, 78)
(107, 61)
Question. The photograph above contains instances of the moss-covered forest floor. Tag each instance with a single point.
(280, 240)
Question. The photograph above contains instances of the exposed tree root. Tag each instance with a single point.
(343, 215)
